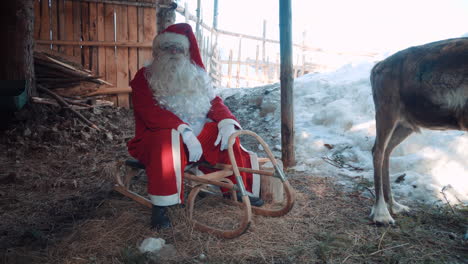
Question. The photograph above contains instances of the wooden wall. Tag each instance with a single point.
(110, 39)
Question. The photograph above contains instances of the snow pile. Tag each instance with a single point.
(334, 119)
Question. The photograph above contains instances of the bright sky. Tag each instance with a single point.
(350, 25)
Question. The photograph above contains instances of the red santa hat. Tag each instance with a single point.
(181, 33)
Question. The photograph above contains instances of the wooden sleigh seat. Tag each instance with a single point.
(219, 178)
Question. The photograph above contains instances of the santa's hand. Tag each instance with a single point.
(223, 135)
(193, 145)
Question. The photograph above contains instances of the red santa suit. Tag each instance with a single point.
(158, 143)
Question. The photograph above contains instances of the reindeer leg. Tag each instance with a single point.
(399, 134)
(385, 125)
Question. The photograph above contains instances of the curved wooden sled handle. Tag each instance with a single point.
(243, 226)
(290, 194)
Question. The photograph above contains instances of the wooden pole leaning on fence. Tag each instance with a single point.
(287, 84)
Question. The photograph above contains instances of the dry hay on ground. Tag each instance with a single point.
(58, 208)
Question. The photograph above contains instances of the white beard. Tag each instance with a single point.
(182, 88)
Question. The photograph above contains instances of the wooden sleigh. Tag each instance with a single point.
(219, 178)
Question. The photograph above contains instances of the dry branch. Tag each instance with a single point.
(64, 104)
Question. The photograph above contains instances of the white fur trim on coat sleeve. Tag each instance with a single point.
(229, 121)
(169, 37)
(183, 127)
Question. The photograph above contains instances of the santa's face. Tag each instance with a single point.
(178, 84)
(173, 51)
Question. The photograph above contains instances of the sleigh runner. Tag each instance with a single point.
(219, 179)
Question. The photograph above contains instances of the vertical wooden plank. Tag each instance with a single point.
(149, 31)
(239, 62)
(93, 36)
(122, 54)
(85, 28)
(140, 20)
(68, 25)
(45, 21)
(77, 27)
(61, 23)
(37, 19)
(229, 69)
(101, 37)
(133, 37)
(54, 21)
(109, 35)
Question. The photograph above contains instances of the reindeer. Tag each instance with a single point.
(420, 87)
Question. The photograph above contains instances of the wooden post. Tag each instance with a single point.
(229, 69)
(16, 49)
(257, 78)
(247, 66)
(197, 28)
(186, 13)
(215, 15)
(287, 85)
(303, 53)
(239, 63)
(264, 41)
(296, 67)
(277, 67)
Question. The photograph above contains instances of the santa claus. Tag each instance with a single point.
(179, 121)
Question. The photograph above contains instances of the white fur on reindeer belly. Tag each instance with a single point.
(453, 99)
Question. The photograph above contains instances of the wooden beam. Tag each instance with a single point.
(128, 44)
(287, 85)
(110, 90)
(126, 3)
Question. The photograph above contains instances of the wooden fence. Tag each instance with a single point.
(234, 69)
(110, 39)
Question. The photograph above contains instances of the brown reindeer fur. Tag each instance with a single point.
(419, 87)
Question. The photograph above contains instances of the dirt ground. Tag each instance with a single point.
(57, 206)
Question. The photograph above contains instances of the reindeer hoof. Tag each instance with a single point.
(381, 215)
(399, 208)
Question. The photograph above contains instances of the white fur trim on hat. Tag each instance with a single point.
(169, 37)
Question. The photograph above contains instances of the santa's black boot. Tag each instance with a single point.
(159, 219)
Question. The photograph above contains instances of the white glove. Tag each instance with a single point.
(223, 135)
(193, 145)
